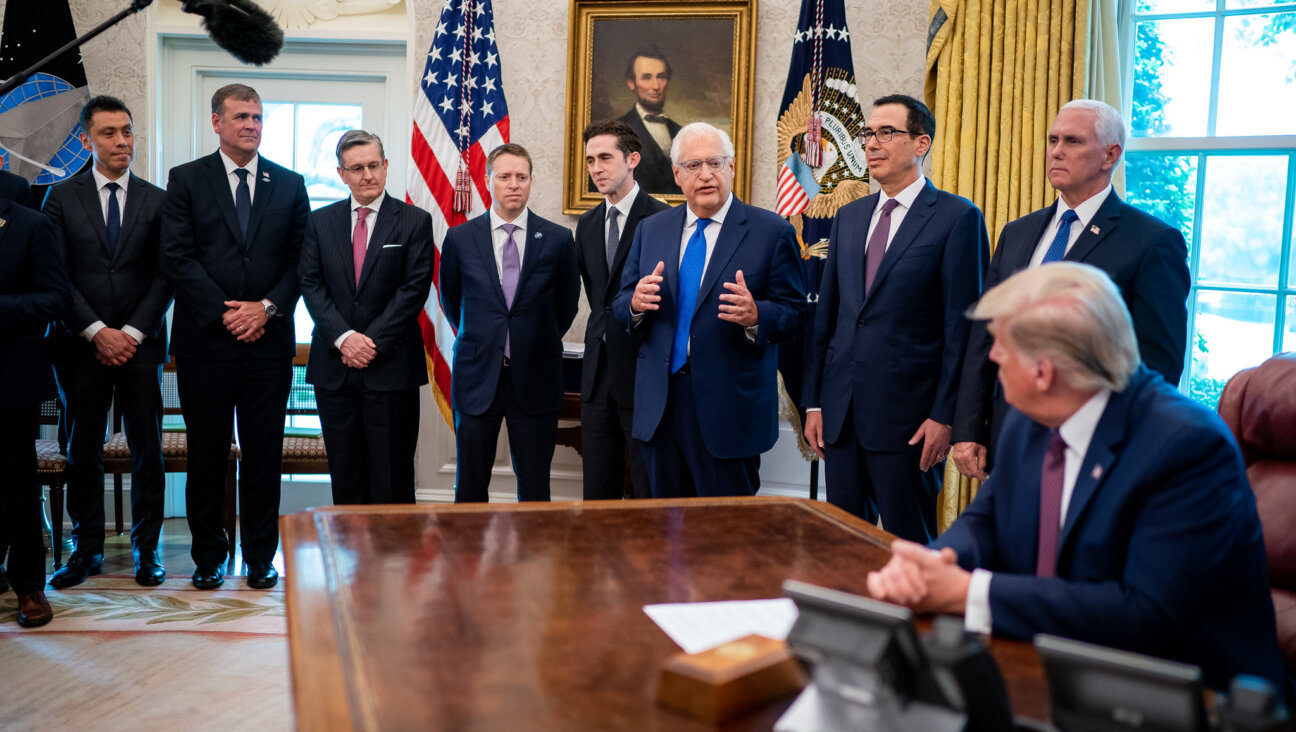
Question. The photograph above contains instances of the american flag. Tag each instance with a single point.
(459, 117)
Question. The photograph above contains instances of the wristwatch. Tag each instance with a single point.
(270, 309)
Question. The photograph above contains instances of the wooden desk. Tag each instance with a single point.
(530, 616)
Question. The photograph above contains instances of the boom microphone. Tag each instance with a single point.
(241, 27)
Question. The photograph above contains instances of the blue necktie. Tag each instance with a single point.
(1057, 249)
(113, 222)
(690, 279)
(243, 200)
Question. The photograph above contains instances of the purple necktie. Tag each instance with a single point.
(1050, 517)
(511, 267)
(877, 244)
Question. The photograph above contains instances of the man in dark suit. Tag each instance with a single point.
(648, 73)
(1088, 223)
(510, 286)
(34, 290)
(710, 289)
(232, 231)
(16, 188)
(1092, 525)
(107, 223)
(366, 268)
(603, 237)
(903, 266)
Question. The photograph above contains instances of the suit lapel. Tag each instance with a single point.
(851, 256)
(218, 179)
(1103, 223)
(267, 176)
(732, 232)
(637, 212)
(1034, 232)
(88, 196)
(671, 256)
(338, 220)
(1105, 445)
(381, 232)
(598, 275)
(486, 250)
(136, 193)
(914, 221)
(536, 241)
(1027, 501)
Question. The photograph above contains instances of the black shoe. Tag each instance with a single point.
(209, 577)
(4, 582)
(148, 570)
(79, 566)
(261, 575)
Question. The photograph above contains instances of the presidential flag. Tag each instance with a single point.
(821, 161)
(459, 117)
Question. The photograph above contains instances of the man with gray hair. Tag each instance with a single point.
(710, 289)
(1088, 223)
(365, 270)
(1091, 527)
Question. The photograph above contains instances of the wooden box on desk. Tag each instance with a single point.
(729, 679)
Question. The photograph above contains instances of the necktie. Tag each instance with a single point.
(613, 236)
(690, 279)
(1050, 517)
(360, 240)
(877, 244)
(511, 267)
(1057, 249)
(243, 200)
(113, 222)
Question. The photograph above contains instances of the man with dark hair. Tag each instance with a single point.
(232, 231)
(1088, 223)
(648, 73)
(114, 339)
(903, 266)
(509, 284)
(603, 237)
(366, 268)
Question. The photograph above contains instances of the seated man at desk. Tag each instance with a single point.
(1119, 513)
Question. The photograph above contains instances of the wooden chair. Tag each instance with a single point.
(51, 470)
(303, 455)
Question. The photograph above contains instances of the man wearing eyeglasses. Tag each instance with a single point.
(903, 266)
(710, 289)
(365, 270)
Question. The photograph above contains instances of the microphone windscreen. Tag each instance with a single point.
(242, 28)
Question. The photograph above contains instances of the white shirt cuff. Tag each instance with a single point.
(976, 614)
(92, 329)
(341, 339)
(813, 409)
(134, 332)
(750, 332)
(636, 319)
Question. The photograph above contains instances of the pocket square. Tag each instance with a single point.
(391, 246)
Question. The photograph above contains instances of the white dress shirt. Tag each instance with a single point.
(905, 199)
(372, 217)
(231, 166)
(623, 208)
(101, 185)
(658, 130)
(1077, 432)
(1084, 214)
(499, 236)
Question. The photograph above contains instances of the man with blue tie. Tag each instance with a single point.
(903, 266)
(510, 286)
(710, 289)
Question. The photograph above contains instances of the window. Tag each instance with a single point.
(1212, 152)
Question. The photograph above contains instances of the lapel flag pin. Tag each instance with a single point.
(1097, 472)
(537, 235)
(1093, 229)
(2, 223)
(265, 176)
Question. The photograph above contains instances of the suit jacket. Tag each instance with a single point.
(1161, 551)
(208, 261)
(1146, 258)
(735, 380)
(394, 282)
(654, 170)
(126, 287)
(601, 287)
(544, 305)
(34, 290)
(16, 188)
(896, 353)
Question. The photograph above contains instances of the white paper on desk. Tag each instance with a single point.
(699, 626)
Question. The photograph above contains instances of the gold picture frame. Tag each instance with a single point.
(710, 46)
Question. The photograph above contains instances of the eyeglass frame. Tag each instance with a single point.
(714, 167)
(890, 133)
(373, 167)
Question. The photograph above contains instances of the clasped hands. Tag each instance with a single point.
(358, 350)
(926, 580)
(245, 320)
(113, 347)
(736, 306)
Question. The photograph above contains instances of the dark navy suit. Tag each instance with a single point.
(1140, 565)
(528, 392)
(608, 369)
(370, 416)
(16, 188)
(704, 431)
(885, 362)
(1146, 258)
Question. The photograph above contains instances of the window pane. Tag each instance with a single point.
(1173, 6)
(1164, 186)
(1258, 62)
(1172, 69)
(318, 128)
(1242, 219)
(1248, 3)
(1235, 331)
(277, 132)
(1289, 337)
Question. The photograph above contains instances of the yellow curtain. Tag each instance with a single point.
(997, 72)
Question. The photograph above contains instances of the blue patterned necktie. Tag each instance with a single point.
(1057, 249)
(690, 279)
(243, 200)
(113, 222)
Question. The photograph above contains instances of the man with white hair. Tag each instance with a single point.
(1088, 223)
(709, 289)
(1091, 526)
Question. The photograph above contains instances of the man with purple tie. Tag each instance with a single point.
(510, 286)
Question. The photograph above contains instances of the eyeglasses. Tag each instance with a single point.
(884, 135)
(693, 167)
(360, 169)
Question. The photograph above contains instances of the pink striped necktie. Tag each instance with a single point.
(360, 240)
(1050, 518)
